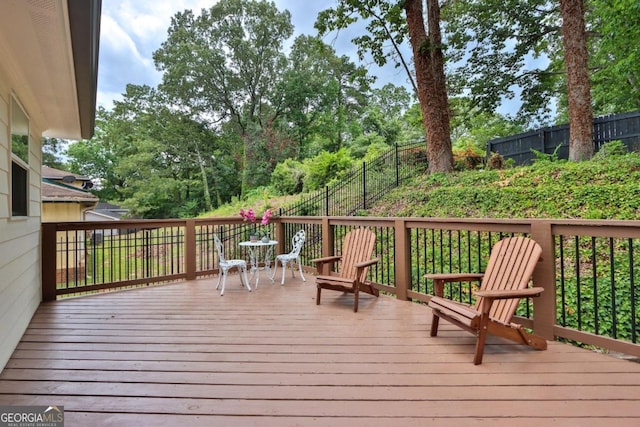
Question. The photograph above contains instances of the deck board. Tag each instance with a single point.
(181, 354)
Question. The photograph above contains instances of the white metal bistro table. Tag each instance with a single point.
(259, 251)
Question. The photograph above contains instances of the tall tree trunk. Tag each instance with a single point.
(430, 78)
(205, 181)
(574, 39)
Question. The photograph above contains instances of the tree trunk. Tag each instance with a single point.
(430, 78)
(205, 181)
(574, 39)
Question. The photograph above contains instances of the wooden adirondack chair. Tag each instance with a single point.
(503, 284)
(355, 262)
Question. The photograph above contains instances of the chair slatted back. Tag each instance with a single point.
(358, 247)
(297, 241)
(511, 266)
(219, 249)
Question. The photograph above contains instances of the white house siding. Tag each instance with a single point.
(20, 289)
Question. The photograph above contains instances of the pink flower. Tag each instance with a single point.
(266, 217)
(250, 215)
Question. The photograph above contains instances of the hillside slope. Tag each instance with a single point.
(606, 188)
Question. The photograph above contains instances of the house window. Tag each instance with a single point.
(19, 160)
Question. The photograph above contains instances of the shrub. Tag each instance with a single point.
(467, 157)
(496, 161)
(612, 148)
(288, 176)
(326, 167)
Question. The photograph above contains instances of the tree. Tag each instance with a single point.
(385, 116)
(615, 55)
(515, 48)
(51, 150)
(432, 90)
(499, 50)
(323, 93)
(386, 25)
(225, 64)
(471, 126)
(154, 160)
(98, 157)
(578, 84)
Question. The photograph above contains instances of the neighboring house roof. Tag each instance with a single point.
(58, 192)
(94, 215)
(57, 174)
(109, 210)
(52, 47)
(62, 186)
(104, 206)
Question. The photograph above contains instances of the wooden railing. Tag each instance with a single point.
(588, 268)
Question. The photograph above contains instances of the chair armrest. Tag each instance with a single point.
(360, 269)
(366, 263)
(490, 296)
(455, 277)
(439, 279)
(320, 262)
(509, 294)
(333, 258)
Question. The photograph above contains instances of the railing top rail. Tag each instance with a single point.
(140, 223)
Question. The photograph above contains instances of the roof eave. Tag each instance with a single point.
(84, 22)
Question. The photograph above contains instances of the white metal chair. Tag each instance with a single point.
(294, 256)
(227, 264)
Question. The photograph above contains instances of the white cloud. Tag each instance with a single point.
(131, 30)
(114, 38)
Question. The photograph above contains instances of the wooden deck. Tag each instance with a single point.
(181, 355)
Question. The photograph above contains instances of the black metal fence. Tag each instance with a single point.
(555, 139)
(364, 185)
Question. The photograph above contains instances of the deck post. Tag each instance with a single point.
(190, 248)
(544, 307)
(327, 241)
(280, 237)
(49, 261)
(402, 259)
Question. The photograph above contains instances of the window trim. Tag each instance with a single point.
(17, 161)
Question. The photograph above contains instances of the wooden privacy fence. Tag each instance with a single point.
(589, 269)
(555, 139)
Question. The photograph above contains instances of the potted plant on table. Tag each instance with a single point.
(262, 231)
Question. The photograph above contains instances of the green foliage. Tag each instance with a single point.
(326, 167)
(362, 144)
(225, 65)
(500, 46)
(615, 55)
(288, 177)
(598, 297)
(471, 125)
(544, 157)
(154, 160)
(507, 48)
(595, 189)
(259, 199)
(375, 150)
(20, 146)
(467, 157)
(386, 28)
(52, 148)
(613, 148)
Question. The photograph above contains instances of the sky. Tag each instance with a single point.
(131, 30)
